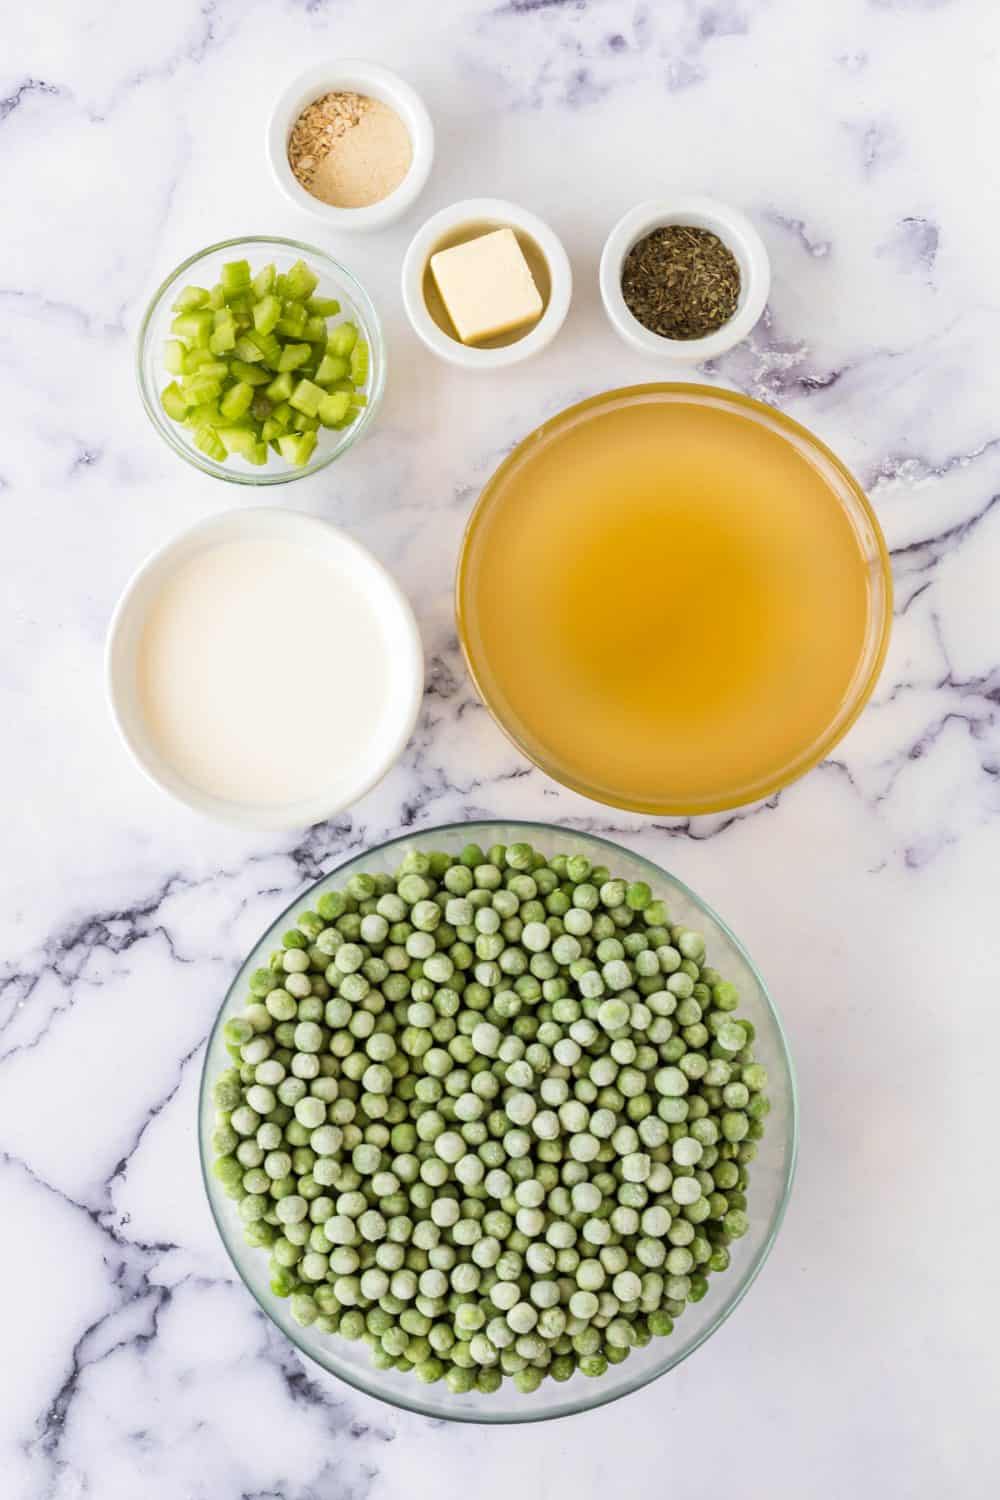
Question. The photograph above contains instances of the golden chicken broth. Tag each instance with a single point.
(665, 601)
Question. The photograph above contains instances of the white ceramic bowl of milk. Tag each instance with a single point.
(264, 668)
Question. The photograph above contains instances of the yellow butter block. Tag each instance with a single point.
(487, 286)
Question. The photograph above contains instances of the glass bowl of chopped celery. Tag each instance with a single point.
(386, 1184)
(261, 360)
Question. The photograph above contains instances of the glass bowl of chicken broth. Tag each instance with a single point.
(673, 598)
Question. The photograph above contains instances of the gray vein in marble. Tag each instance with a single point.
(67, 952)
(65, 312)
(97, 1215)
(185, 52)
(29, 86)
(914, 5)
(575, 47)
(799, 230)
(912, 598)
(914, 468)
(724, 18)
(773, 368)
(913, 244)
(152, 1112)
(132, 1323)
(312, 1391)
(922, 555)
(527, 7)
(877, 142)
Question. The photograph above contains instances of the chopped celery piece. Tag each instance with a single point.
(261, 406)
(327, 307)
(223, 339)
(216, 367)
(297, 450)
(300, 281)
(271, 429)
(269, 346)
(359, 399)
(207, 414)
(331, 367)
(293, 355)
(263, 282)
(195, 358)
(283, 414)
(342, 385)
(266, 313)
(252, 374)
(235, 276)
(198, 389)
(303, 422)
(173, 357)
(173, 403)
(237, 439)
(257, 454)
(343, 339)
(236, 400)
(281, 386)
(247, 350)
(293, 320)
(217, 296)
(334, 408)
(240, 308)
(207, 440)
(222, 317)
(315, 330)
(306, 397)
(190, 298)
(196, 326)
(359, 362)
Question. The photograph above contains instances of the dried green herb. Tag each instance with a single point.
(681, 282)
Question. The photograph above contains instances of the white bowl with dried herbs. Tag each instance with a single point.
(684, 279)
(351, 143)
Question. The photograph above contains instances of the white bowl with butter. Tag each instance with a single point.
(487, 291)
(264, 669)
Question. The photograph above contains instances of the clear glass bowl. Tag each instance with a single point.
(500, 490)
(771, 1173)
(203, 270)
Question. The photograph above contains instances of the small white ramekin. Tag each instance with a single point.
(352, 75)
(499, 213)
(403, 651)
(734, 230)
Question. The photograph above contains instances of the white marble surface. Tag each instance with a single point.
(862, 138)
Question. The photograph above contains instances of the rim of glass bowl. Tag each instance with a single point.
(596, 1396)
(365, 310)
(877, 563)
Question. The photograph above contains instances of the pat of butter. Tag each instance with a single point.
(487, 286)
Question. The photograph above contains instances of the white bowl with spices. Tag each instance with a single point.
(740, 239)
(351, 143)
(531, 255)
